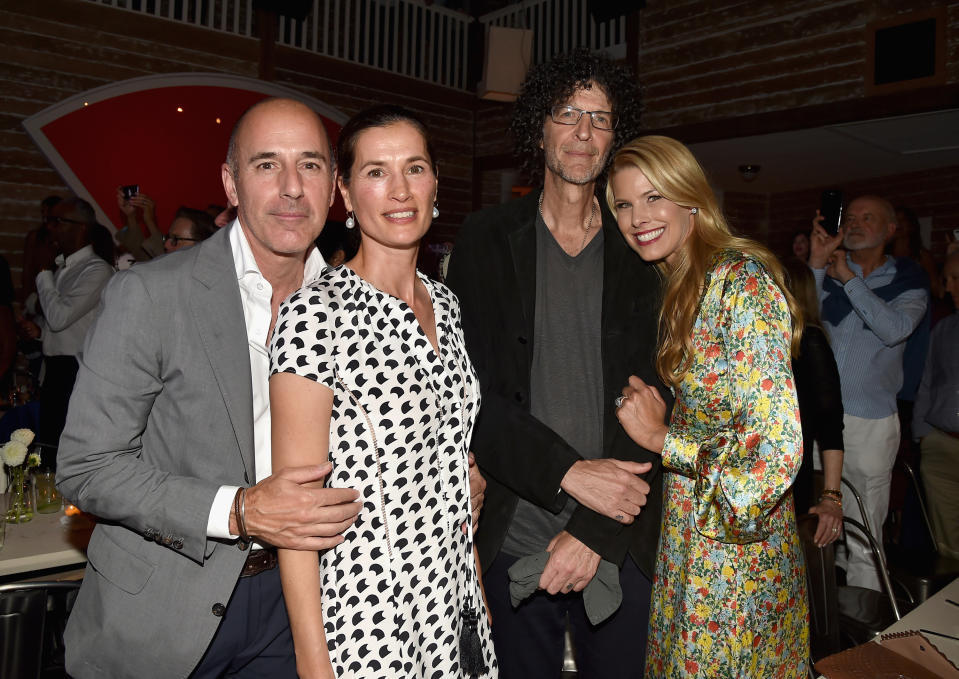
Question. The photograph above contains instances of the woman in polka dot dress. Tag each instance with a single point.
(369, 364)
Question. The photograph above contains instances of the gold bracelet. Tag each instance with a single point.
(835, 492)
(831, 498)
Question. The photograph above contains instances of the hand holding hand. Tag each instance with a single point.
(642, 412)
(829, 527)
(477, 493)
(570, 567)
(608, 486)
(821, 244)
(288, 510)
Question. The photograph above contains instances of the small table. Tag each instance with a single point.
(49, 541)
(938, 615)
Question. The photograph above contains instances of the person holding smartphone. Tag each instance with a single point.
(871, 303)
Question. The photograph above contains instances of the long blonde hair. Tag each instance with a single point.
(676, 174)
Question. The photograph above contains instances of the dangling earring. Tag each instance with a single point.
(350, 222)
(436, 210)
(694, 210)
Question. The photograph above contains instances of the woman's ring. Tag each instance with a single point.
(619, 401)
(835, 530)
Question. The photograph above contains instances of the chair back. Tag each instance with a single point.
(822, 587)
(33, 616)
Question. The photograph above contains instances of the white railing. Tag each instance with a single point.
(229, 16)
(560, 25)
(402, 36)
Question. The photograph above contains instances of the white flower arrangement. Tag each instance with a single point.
(16, 451)
(13, 453)
(24, 436)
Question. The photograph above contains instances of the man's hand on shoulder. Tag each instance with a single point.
(570, 567)
(288, 510)
(608, 486)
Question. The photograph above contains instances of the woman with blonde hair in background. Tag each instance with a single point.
(729, 595)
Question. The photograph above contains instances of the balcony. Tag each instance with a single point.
(406, 37)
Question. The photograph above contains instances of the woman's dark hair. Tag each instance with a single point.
(914, 236)
(376, 116)
(553, 83)
(335, 236)
(203, 225)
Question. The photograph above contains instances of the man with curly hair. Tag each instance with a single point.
(558, 312)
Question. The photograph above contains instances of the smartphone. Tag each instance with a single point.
(130, 190)
(830, 207)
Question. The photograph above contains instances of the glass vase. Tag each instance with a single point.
(19, 495)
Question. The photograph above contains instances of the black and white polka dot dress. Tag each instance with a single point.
(394, 590)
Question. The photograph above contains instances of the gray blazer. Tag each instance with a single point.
(161, 416)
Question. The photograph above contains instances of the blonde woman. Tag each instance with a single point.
(729, 596)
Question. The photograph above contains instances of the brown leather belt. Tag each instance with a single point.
(258, 561)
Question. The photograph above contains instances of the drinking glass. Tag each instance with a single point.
(3, 517)
(48, 499)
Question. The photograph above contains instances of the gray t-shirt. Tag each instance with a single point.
(566, 384)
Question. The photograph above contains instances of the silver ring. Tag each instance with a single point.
(619, 401)
(835, 530)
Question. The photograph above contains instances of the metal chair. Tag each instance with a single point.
(823, 591)
(33, 616)
(864, 613)
(844, 616)
(922, 573)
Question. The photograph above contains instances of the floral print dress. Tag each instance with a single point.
(729, 597)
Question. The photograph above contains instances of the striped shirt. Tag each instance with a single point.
(869, 343)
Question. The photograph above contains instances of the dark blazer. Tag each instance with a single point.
(493, 272)
(161, 417)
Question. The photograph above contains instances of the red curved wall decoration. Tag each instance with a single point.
(168, 134)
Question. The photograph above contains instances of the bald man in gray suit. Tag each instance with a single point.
(168, 444)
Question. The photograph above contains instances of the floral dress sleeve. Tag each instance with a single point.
(735, 429)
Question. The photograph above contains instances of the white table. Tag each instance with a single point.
(48, 541)
(938, 615)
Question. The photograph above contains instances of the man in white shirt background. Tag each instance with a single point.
(68, 298)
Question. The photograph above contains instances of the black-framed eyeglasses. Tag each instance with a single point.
(175, 240)
(570, 115)
(63, 220)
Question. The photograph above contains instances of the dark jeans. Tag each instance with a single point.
(58, 381)
(254, 639)
(529, 639)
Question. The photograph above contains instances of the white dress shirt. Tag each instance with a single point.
(69, 299)
(255, 294)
